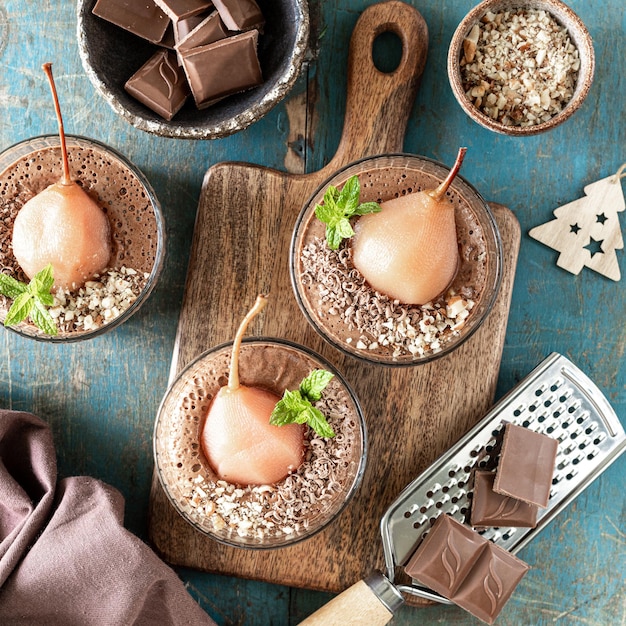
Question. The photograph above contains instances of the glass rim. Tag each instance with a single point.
(157, 267)
(487, 305)
(356, 481)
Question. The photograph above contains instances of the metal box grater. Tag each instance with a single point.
(556, 399)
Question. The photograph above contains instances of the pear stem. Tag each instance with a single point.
(233, 378)
(440, 192)
(66, 180)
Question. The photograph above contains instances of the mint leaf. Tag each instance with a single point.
(20, 309)
(42, 281)
(10, 287)
(339, 207)
(287, 409)
(349, 196)
(367, 207)
(42, 319)
(313, 385)
(295, 407)
(316, 420)
(30, 300)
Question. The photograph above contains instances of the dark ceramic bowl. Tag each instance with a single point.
(111, 55)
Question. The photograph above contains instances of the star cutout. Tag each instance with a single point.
(601, 218)
(595, 246)
(574, 228)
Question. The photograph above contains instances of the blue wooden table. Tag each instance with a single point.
(101, 396)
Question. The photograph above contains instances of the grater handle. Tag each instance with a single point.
(371, 601)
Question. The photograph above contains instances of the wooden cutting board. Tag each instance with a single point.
(240, 248)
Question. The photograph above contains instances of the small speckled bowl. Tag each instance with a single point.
(111, 55)
(578, 34)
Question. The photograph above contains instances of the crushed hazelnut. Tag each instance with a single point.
(523, 68)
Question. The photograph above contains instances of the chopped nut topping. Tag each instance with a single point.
(522, 70)
(384, 325)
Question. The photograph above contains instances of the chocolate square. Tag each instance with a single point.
(181, 9)
(222, 68)
(160, 84)
(144, 19)
(445, 557)
(184, 26)
(493, 509)
(490, 583)
(526, 465)
(240, 14)
(209, 30)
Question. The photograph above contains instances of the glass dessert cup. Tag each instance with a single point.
(243, 516)
(477, 281)
(123, 192)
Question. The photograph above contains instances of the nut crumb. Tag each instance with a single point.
(523, 68)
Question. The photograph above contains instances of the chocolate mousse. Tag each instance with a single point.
(258, 515)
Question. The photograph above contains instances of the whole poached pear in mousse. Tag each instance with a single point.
(409, 250)
(62, 226)
(237, 438)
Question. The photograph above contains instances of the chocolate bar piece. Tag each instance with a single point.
(144, 19)
(181, 9)
(222, 68)
(160, 84)
(209, 30)
(490, 583)
(526, 465)
(240, 14)
(183, 27)
(493, 509)
(466, 568)
(445, 557)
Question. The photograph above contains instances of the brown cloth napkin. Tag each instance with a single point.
(65, 557)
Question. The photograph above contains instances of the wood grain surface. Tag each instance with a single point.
(241, 247)
(100, 397)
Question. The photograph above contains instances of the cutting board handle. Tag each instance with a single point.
(379, 103)
(371, 601)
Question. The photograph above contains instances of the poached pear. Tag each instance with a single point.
(237, 438)
(62, 225)
(409, 250)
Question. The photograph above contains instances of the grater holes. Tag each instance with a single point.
(556, 384)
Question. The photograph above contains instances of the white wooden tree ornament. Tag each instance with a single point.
(587, 231)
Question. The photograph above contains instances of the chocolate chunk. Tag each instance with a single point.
(181, 9)
(209, 30)
(490, 583)
(240, 14)
(466, 568)
(222, 68)
(160, 84)
(144, 19)
(493, 509)
(445, 557)
(168, 40)
(183, 27)
(526, 465)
